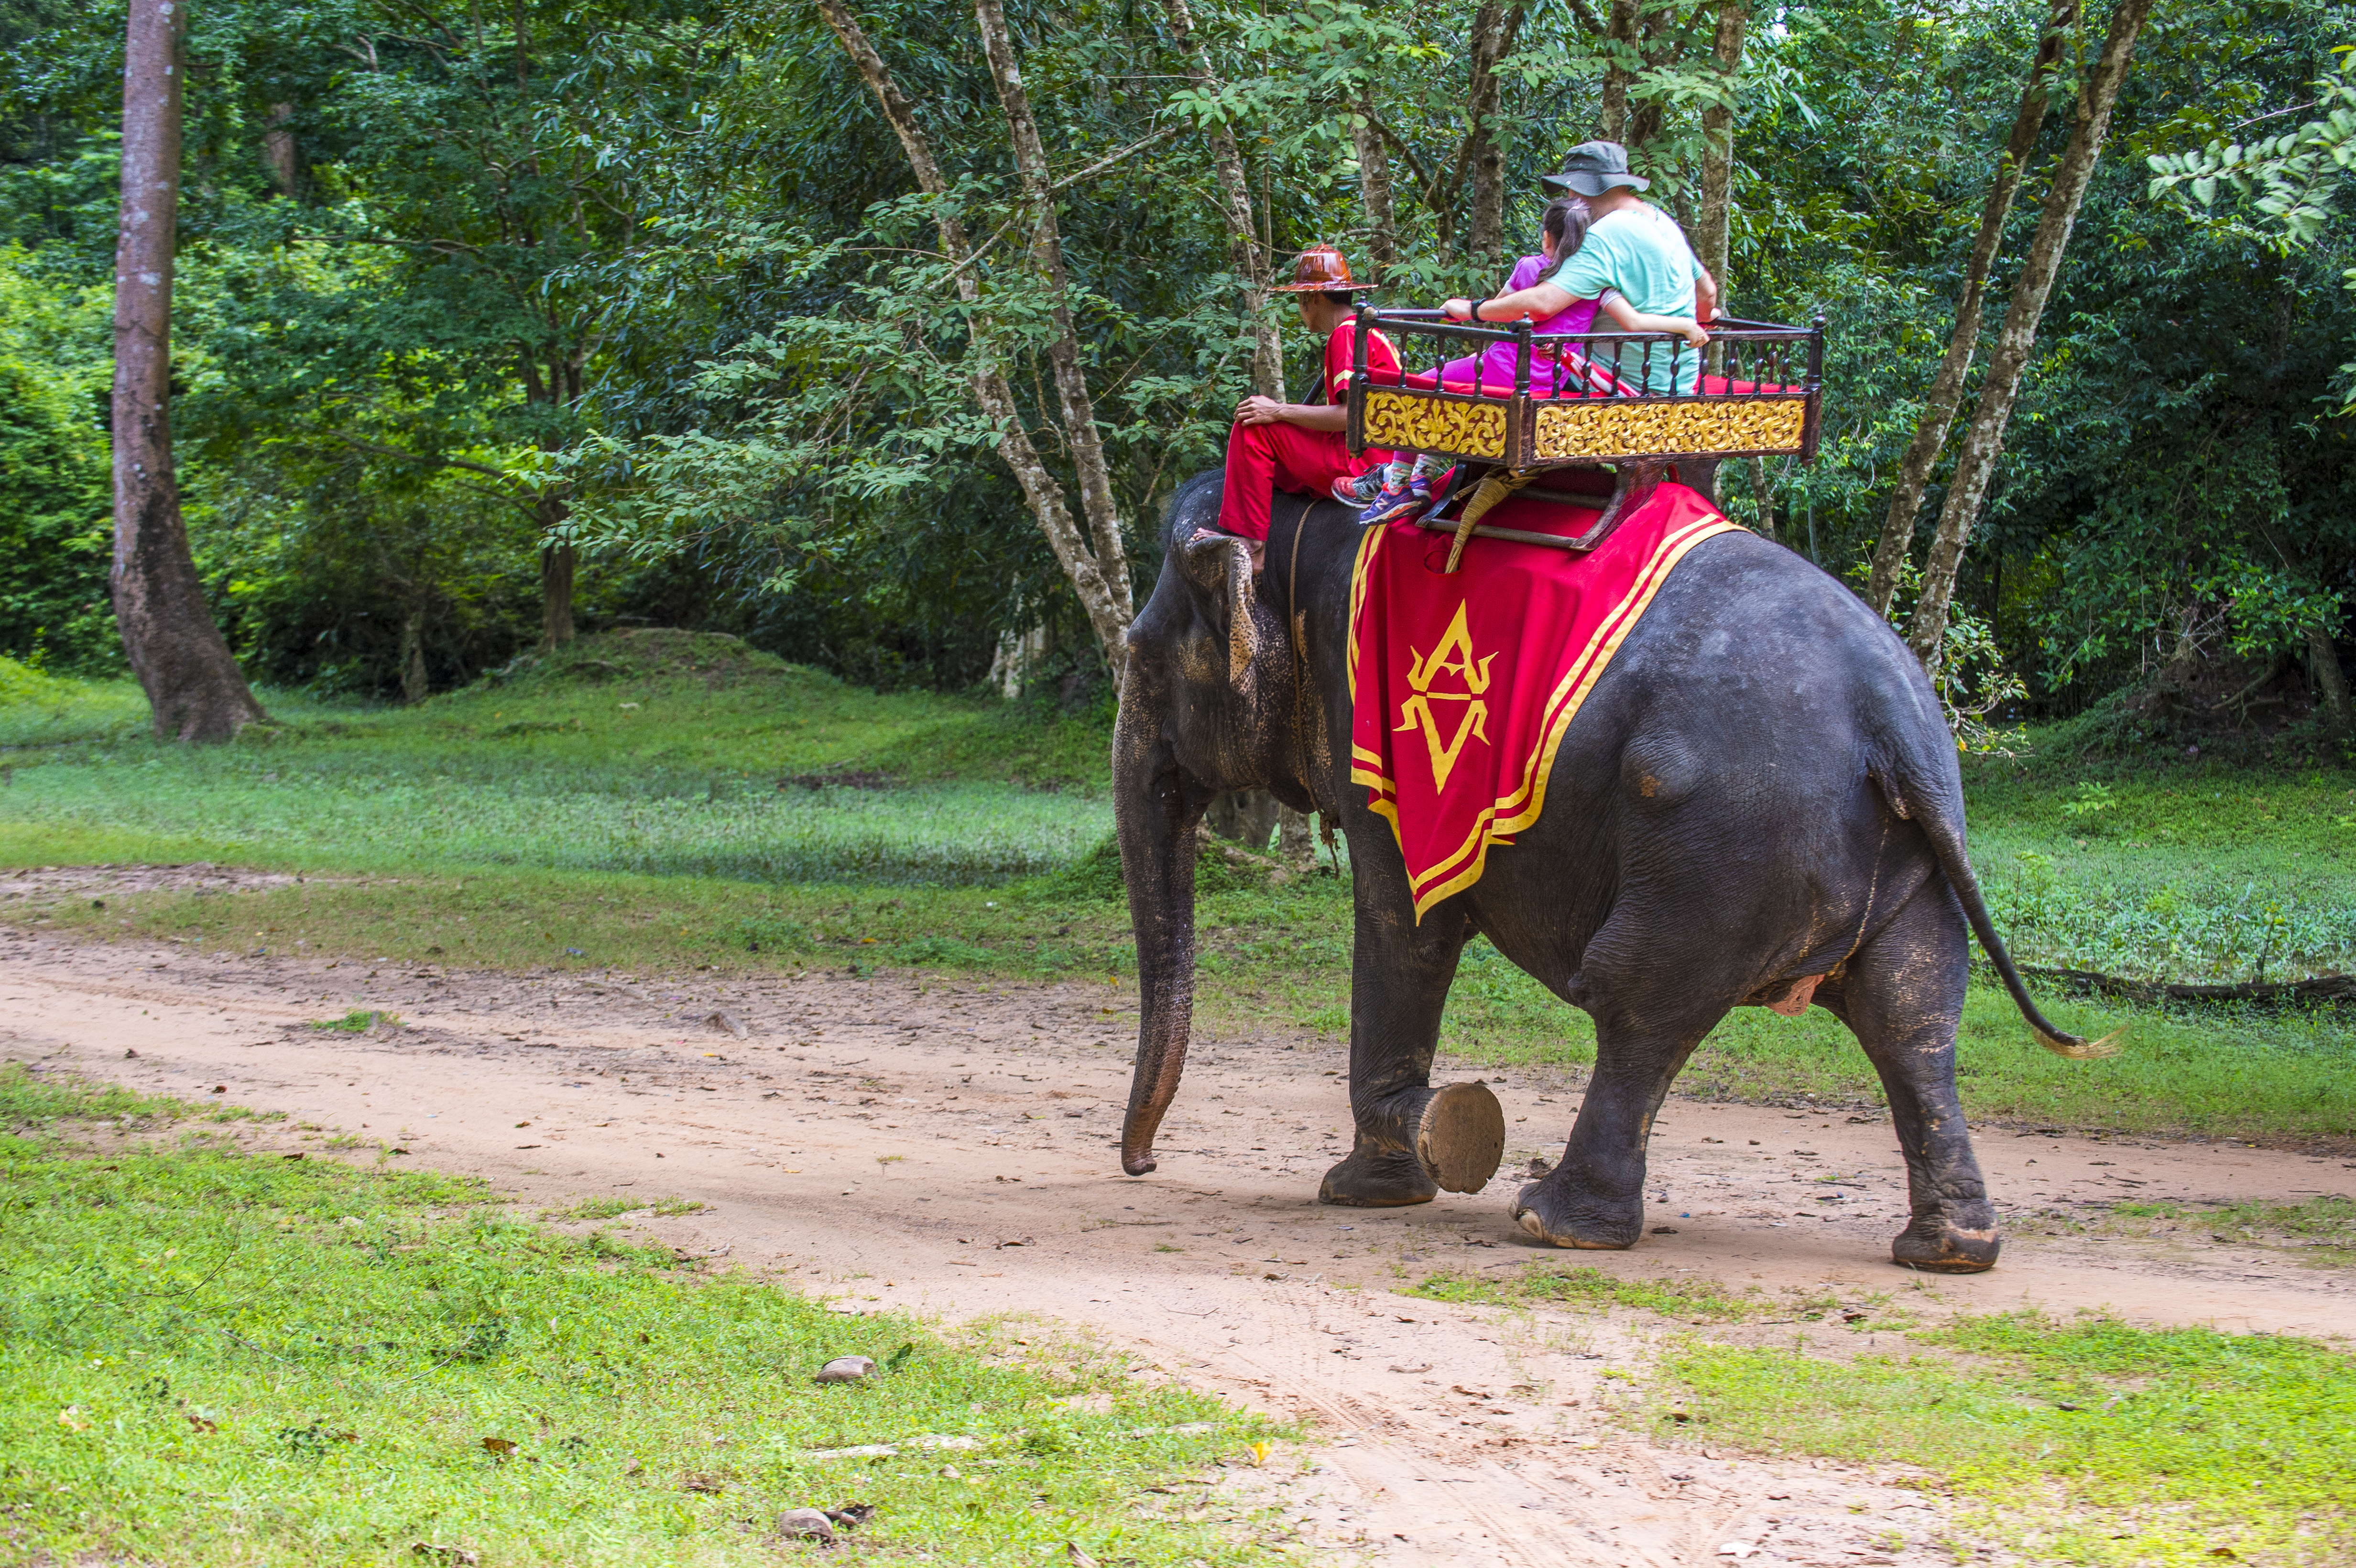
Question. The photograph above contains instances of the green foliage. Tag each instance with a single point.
(215, 1354)
(55, 531)
(457, 287)
(2088, 1442)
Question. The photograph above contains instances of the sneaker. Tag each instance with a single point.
(1356, 491)
(1397, 501)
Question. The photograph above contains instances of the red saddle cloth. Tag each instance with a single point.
(1463, 686)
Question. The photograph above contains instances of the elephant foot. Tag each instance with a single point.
(1564, 1218)
(1937, 1244)
(1376, 1181)
(1461, 1136)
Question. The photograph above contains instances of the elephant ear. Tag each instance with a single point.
(1219, 565)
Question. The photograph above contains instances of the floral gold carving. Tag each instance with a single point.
(1617, 428)
(1421, 424)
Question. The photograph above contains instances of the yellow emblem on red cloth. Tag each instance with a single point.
(1555, 619)
(1453, 656)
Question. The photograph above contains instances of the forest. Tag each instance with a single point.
(497, 324)
(622, 1052)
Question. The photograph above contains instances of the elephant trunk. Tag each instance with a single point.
(1156, 822)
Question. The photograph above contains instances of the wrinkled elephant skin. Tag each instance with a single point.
(1759, 804)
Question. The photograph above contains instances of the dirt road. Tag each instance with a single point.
(948, 1148)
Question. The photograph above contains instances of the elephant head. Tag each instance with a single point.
(1207, 704)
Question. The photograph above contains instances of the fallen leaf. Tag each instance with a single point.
(458, 1556)
(499, 1448)
(72, 1419)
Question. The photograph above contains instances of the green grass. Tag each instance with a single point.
(2322, 1231)
(227, 1357)
(37, 708)
(2086, 1442)
(619, 808)
(1695, 1300)
(360, 1020)
(2182, 871)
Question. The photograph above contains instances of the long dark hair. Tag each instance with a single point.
(1565, 223)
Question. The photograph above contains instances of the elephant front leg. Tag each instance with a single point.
(1412, 1140)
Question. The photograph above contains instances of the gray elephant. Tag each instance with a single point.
(1759, 789)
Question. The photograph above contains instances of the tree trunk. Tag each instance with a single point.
(1984, 442)
(1080, 434)
(193, 686)
(2330, 684)
(1246, 816)
(1620, 68)
(1293, 843)
(556, 569)
(1947, 387)
(1375, 191)
(1108, 615)
(414, 687)
(1248, 259)
(1495, 28)
(280, 154)
(1716, 227)
(1763, 496)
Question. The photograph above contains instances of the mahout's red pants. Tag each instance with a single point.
(1285, 457)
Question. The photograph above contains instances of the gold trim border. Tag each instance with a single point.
(1605, 428)
(1394, 419)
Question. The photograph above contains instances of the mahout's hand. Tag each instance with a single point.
(1257, 410)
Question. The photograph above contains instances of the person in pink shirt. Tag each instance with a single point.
(1407, 489)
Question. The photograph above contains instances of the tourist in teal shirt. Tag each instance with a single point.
(1632, 246)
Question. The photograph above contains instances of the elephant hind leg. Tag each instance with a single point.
(1901, 995)
(1595, 1197)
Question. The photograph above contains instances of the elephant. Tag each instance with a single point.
(1760, 790)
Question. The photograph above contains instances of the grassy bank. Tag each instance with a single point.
(228, 1357)
(2086, 1442)
(661, 801)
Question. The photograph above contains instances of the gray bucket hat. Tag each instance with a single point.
(1594, 168)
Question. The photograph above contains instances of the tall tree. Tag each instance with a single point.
(1249, 257)
(1094, 560)
(1496, 29)
(193, 686)
(1984, 442)
(1081, 435)
(1375, 191)
(1715, 227)
(1946, 394)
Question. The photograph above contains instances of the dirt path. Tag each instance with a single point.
(949, 1148)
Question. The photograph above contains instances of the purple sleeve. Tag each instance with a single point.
(1525, 273)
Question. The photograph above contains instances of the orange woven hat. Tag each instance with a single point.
(1321, 271)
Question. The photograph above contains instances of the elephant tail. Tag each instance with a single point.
(1940, 815)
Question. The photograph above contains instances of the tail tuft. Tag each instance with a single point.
(2077, 1049)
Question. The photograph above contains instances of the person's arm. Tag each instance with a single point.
(1628, 318)
(1538, 302)
(1706, 300)
(1256, 410)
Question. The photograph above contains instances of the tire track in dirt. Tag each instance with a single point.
(947, 1147)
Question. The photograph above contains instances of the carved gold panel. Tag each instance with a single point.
(1430, 424)
(1613, 428)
